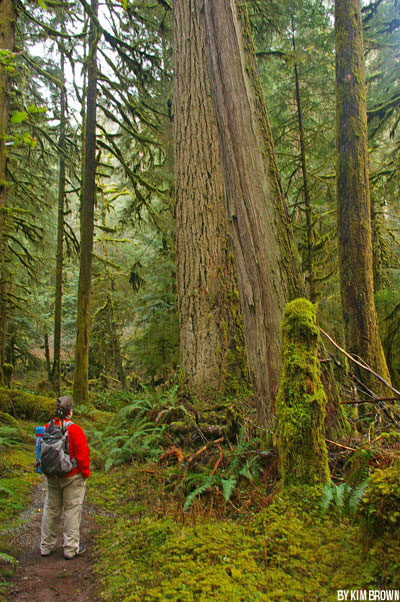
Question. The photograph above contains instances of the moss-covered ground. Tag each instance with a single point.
(287, 551)
(260, 545)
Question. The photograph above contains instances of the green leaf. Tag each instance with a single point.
(19, 116)
(228, 485)
(34, 109)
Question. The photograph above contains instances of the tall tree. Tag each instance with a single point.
(261, 233)
(81, 391)
(354, 219)
(212, 347)
(8, 17)
(60, 236)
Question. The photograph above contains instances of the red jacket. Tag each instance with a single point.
(78, 448)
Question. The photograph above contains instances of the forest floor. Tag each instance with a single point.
(259, 544)
(51, 578)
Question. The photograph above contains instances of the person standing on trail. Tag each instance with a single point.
(68, 490)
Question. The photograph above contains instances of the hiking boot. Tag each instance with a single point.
(47, 553)
(82, 550)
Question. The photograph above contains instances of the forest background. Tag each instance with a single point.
(112, 135)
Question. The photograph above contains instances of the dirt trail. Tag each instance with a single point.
(51, 578)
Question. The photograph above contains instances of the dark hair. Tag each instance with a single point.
(63, 406)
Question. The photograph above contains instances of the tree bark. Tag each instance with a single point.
(47, 354)
(211, 334)
(8, 17)
(263, 244)
(81, 391)
(354, 219)
(60, 242)
(309, 263)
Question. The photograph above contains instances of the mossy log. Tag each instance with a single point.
(301, 399)
(25, 405)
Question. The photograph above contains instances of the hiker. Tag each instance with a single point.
(66, 491)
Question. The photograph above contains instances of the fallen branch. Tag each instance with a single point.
(218, 462)
(340, 445)
(376, 400)
(361, 364)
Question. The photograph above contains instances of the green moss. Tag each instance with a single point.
(301, 400)
(287, 552)
(25, 405)
(380, 506)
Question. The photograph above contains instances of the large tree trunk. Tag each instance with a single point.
(8, 17)
(212, 347)
(60, 243)
(263, 243)
(354, 221)
(81, 392)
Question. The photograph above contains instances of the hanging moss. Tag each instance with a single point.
(301, 400)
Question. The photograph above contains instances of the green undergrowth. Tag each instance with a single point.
(289, 551)
(17, 478)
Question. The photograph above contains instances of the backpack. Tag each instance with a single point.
(54, 457)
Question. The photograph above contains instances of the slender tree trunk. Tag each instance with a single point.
(116, 347)
(354, 220)
(8, 17)
(376, 223)
(81, 392)
(115, 343)
(60, 242)
(263, 244)
(309, 263)
(212, 347)
(47, 354)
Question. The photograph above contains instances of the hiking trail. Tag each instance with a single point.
(51, 578)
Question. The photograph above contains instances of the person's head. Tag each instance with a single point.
(64, 407)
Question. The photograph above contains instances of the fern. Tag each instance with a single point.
(327, 496)
(356, 496)
(228, 485)
(209, 482)
(10, 560)
(343, 497)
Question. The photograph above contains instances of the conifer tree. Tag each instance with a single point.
(354, 218)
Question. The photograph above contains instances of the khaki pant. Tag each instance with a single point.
(67, 493)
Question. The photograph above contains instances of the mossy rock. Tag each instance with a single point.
(25, 405)
(380, 506)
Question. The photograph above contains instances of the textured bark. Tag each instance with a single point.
(8, 17)
(81, 392)
(212, 347)
(263, 243)
(115, 342)
(354, 221)
(308, 264)
(60, 244)
(47, 354)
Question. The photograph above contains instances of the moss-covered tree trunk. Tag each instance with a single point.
(81, 392)
(60, 242)
(262, 238)
(354, 220)
(212, 346)
(8, 17)
(301, 400)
